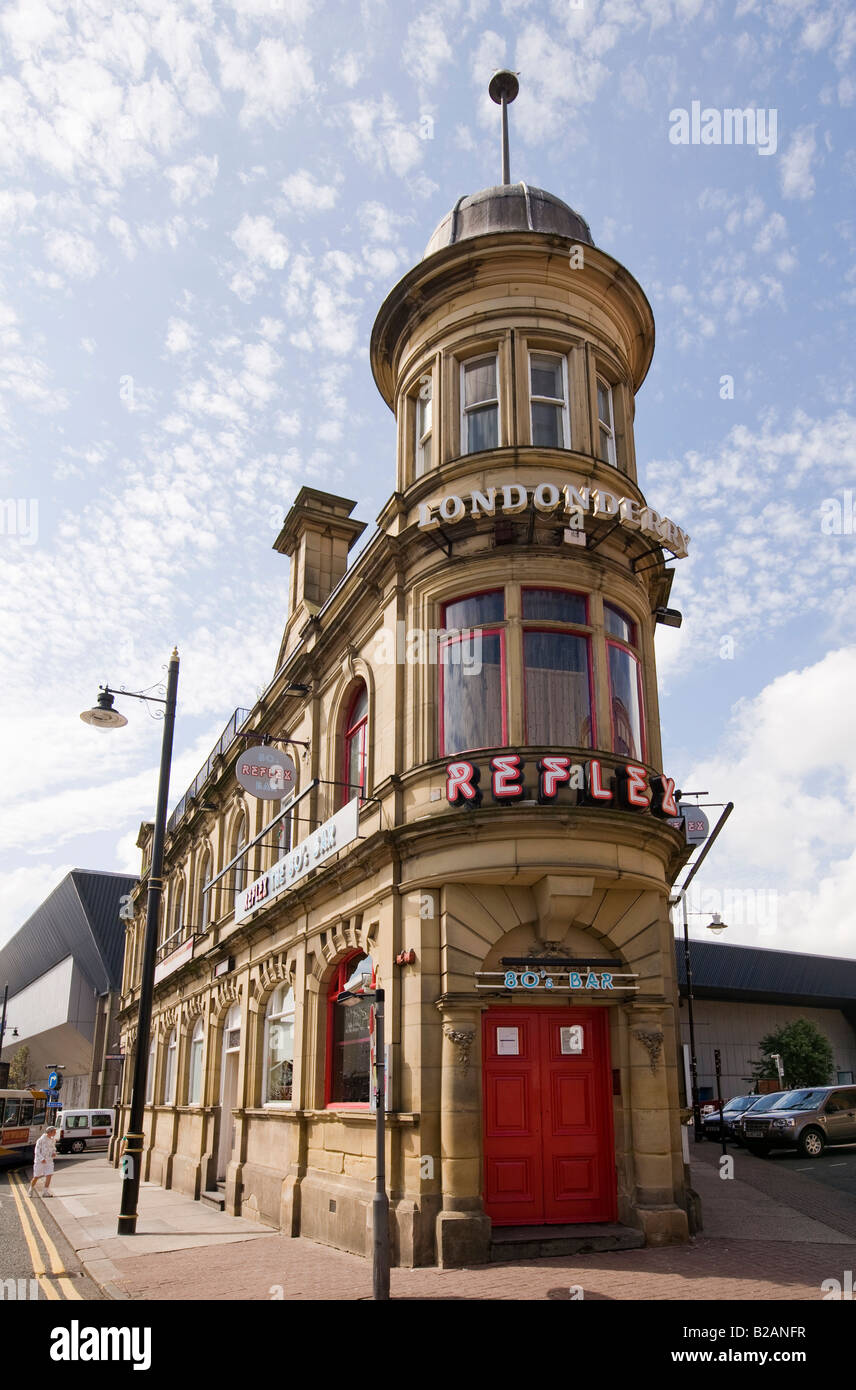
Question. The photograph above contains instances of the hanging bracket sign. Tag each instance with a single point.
(266, 772)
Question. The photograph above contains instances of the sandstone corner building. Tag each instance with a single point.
(479, 815)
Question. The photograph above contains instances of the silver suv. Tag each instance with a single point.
(806, 1119)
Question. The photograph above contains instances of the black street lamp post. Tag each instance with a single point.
(380, 1201)
(104, 716)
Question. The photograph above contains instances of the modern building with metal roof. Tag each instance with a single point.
(742, 993)
(63, 968)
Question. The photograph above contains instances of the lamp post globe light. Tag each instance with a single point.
(103, 716)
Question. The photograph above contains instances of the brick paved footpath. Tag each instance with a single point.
(798, 1234)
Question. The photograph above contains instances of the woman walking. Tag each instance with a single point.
(43, 1160)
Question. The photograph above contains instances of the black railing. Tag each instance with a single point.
(223, 744)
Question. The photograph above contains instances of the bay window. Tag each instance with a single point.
(557, 669)
(625, 684)
(424, 426)
(472, 674)
(605, 422)
(480, 404)
(548, 394)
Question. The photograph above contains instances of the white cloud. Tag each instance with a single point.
(788, 761)
(260, 242)
(795, 173)
(303, 193)
(427, 49)
(194, 180)
(274, 79)
(76, 255)
(180, 336)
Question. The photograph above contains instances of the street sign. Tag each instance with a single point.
(55, 1081)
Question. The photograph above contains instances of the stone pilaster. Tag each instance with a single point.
(463, 1229)
(657, 1205)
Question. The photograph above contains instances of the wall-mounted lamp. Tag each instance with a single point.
(669, 617)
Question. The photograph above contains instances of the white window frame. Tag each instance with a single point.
(479, 405)
(171, 1070)
(551, 400)
(150, 1071)
(266, 1102)
(609, 426)
(419, 468)
(197, 1049)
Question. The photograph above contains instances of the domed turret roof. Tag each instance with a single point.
(511, 207)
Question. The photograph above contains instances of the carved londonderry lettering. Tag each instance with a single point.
(571, 502)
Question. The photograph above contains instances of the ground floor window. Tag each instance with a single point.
(348, 1034)
(279, 1046)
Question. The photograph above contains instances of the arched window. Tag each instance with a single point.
(356, 742)
(178, 912)
(279, 1046)
(349, 1050)
(170, 1070)
(239, 842)
(197, 1045)
(625, 683)
(150, 1072)
(205, 894)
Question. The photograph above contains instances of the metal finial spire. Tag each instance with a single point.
(503, 89)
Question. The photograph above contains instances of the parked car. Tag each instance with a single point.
(808, 1120)
(731, 1112)
(84, 1129)
(769, 1101)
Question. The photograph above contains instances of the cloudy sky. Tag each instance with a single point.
(203, 206)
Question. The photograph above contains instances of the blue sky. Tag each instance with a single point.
(203, 207)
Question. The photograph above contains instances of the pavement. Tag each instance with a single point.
(770, 1234)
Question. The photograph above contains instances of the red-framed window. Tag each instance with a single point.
(558, 690)
(472, 681)
(626, 699)
(356, 743)
(348, 1036)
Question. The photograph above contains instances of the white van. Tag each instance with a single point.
(84, 1129)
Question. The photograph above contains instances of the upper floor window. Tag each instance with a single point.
(349, 1077)
(205, 894)
(356, 733)
(625, 683)
(472, 674)
(239, 842)
(279, 1045)
(424, 426)
(178, 911)
(479, 404)
(605, 422)
(548, 391)
(557, 668)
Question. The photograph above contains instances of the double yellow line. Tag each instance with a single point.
(30, 1223)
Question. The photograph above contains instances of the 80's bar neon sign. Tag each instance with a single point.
(630, 787)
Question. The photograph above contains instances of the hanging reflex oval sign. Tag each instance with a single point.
(266, 772)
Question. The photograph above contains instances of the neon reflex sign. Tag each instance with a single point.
(629, 788)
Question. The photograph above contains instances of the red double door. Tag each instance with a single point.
(548, 1146)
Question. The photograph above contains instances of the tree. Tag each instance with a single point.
(19, 1071)
(805, 1052)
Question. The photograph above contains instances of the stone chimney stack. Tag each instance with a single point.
(317, 535)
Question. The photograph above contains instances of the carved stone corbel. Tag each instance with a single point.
(652, 1042)
(462, 1039)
